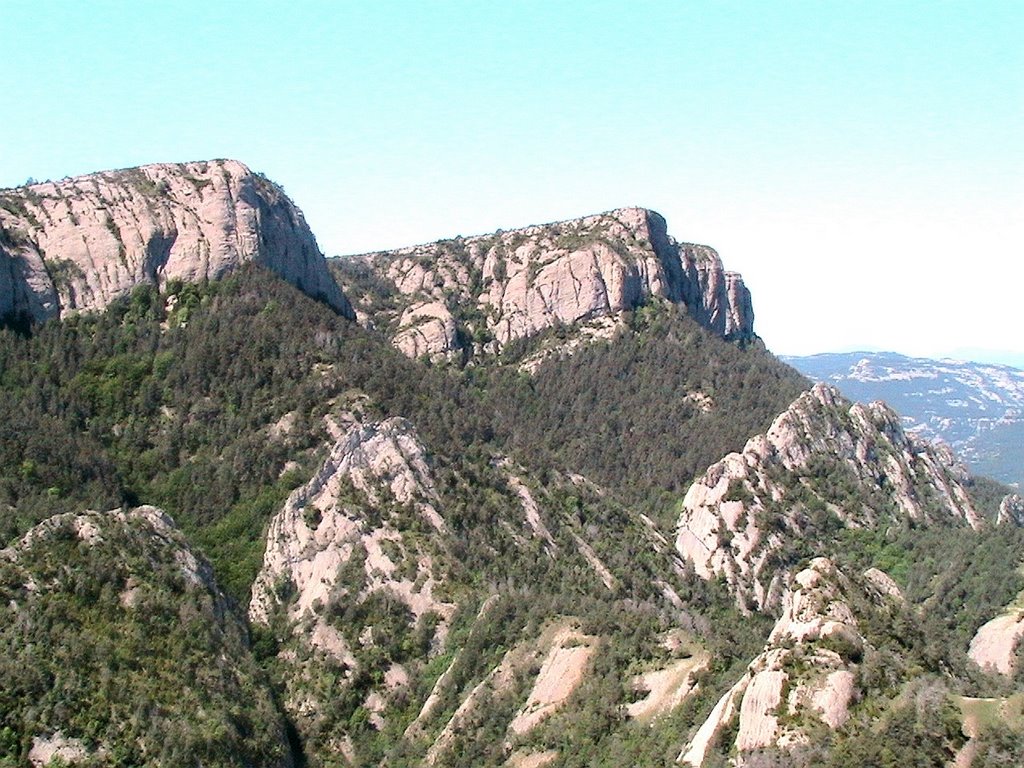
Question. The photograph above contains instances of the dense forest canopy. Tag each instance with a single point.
(215, 401)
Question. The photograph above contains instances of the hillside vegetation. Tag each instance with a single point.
(466, 561)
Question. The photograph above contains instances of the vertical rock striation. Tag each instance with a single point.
(477, 294)
(81, 243)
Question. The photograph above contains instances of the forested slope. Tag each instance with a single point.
(476, 559)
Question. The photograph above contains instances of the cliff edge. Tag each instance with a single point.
(81, 243)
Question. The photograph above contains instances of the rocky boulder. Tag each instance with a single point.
(994, 646)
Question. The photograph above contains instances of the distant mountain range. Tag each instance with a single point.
(978, 408)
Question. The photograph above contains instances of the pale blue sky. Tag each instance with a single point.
(862, 163)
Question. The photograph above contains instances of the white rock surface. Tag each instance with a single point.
(1011, 510)
(323, 523)
(531, 510)
(566, 653)
(758, 723)
(524, 759)
(666, 688)
(697, 749)
(995, 643)
(426, 329)
(799, 674)
(517, 283)
(89, 527)
(80, 243)
(739, 513)
(338, 539)
(560, 674)
(56, 747)
(884, 584)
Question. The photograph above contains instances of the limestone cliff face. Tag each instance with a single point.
(477, 294)
(807, 674)
(822, 459)
(80, 243)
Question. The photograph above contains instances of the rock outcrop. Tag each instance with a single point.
(556, 660)
(476, 294)
(81, 243)
(976, 408)
(994, 646)
(379, 466)
(1011, 510)
(350, 542)
(559, 675)
(806, 675)
(150, 527)
(822, 460)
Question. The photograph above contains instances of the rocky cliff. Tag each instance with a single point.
(807, 675)
(347, 580)
(80, 243)
(476, 294)
(465, 566)
(977, 408)
(823, 462)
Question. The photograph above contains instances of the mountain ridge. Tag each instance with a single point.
(79, 243)
(977, 408)
(487, 554)
(468, 296)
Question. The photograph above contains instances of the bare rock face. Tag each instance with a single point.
(81, 243)
(476, 294)
(822, 459)
(320, 527)
(806, 675)
(994, 645)
(557, 661)
(350, 537)
(1011, 510)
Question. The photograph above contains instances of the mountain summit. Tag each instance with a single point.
(549, 502)
(80, 243)
(474, 295)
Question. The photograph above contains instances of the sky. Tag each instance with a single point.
(861, 163)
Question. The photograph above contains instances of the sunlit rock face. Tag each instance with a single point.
(476, 294)
(823, 459)
(81, 243)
